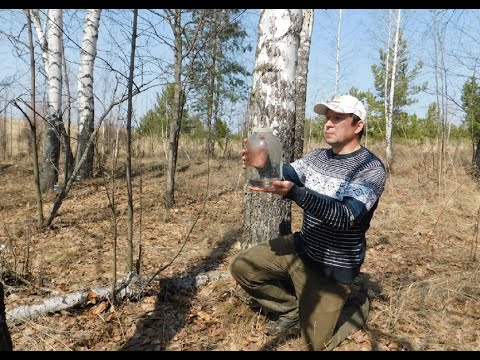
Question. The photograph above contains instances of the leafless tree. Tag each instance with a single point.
(129, 146)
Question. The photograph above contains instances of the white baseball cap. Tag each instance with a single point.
(345, 104)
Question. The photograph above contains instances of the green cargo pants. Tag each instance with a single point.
(317, 302)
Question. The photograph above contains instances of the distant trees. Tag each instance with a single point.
(394, 81)
(156, 120)
(217, 76)
(471, 105)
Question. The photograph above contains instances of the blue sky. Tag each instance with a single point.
(361, 38)
(362, 33)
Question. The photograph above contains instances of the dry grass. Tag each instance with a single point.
(422, 259)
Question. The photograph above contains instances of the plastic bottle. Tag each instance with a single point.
(265, 158)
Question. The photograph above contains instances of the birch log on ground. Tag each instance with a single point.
(68, 301)
(130, 286)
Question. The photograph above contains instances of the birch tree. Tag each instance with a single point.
(301, 80)
(51, 43)
(389, 113)
(337, 61)
(85, 90)
(272, 104)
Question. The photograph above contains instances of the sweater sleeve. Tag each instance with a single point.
(360, 195)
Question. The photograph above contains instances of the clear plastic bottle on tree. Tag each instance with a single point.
(264, 157)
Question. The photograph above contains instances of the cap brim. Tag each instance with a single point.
(320, 108)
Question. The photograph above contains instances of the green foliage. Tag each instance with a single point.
(221, 132)
(375, 126)
(407, 126)
(471, 105)
(218, 76)
(404, 78)
(403, 124)
(313, 128)
(156, 120)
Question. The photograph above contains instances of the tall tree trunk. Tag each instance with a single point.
(86, 117)
(67, 149)
(51, 156)
(439, 48)
(211, 90)
(33, 126)
(176, 107)
(477, 159)
(301, 80)
(272, 104)
(387, 65)
(389, 120)
(129, 147)
(5, 339)
(337, 62)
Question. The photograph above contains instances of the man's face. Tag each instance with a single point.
(339, 130)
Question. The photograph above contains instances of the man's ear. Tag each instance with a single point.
(360, 126)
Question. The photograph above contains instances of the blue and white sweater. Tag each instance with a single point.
(338, 195)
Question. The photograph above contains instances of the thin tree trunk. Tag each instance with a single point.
(69, 161)
(211, 93)
(129, 147)
(176, 119)
(477, 159)
(301, 80)
(387, 66)
(337, 63)
(33, 127)
(272, 104)
(389, 152)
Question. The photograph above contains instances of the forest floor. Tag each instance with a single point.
(421, 262)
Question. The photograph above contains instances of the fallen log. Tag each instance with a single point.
(130, 286)
(68, 301)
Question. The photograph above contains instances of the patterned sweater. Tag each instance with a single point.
(338, 195)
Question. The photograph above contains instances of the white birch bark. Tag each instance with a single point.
(51, 43)
(337, 67)
(387, 65)
(272, 104)
(388, 132)
(42, 39)
(85, 88)
(54, 46)
(132, 285)
(54, 65)
(68, 301)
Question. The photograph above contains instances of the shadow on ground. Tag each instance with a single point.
(156, 331)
